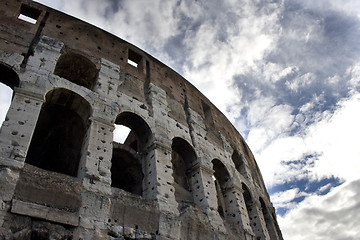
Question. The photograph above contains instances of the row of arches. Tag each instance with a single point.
(60, 139)
(59, 110)
(77, 69)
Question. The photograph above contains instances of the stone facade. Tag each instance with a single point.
(184, 172)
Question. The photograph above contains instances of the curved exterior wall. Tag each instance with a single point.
(183, 173)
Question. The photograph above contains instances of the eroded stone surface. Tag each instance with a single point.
(184, 172)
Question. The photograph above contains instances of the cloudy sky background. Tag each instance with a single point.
(287, 75)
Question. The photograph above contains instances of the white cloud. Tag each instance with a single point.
(274, 72)
(221, 48)
(324, 188)
(286, 198)
(146, 24)
(301, 82)
(354, 73)
(331, 216)
(335, 137)
(269, 121)
(348, 7)
(331, 140)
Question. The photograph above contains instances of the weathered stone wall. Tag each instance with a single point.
(183, 173)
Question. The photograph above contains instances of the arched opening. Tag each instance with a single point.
(268, 221)
(183, 158)
(60, 131)
(126, 169)
(239, 163)
(127, 159)
(222, 184)
(77, 69)
(250, 207)
(8, 80)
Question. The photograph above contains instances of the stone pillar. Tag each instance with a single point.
(220, 199)
(202, 186)
(45, 56)
(19, 125)
(261, 226)
(15, 137)
(257, 221)
(236, 209)
(271, 227)
(160, 187)
(159, 155)
(245, 218)
(159, 176)
(108, 79)
(95, 171)
(204, 192)
(95, 162)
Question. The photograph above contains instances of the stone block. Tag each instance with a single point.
(44, 212)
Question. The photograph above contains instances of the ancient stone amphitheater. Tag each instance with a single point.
(184, 172)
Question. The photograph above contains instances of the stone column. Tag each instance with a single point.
(15, 137)
(165, 192)
(204, 192)
(159, 175)
(108, 79)
(45, 56)
(236, 209)
(95, 171)
(271, 227)
(95, 162)
(257, 221)
(245, 218)
(160, 187)
(260, 229)
(159, 179)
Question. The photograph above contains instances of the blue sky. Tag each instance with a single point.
(287, 75)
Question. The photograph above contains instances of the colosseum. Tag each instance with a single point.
(183, 172)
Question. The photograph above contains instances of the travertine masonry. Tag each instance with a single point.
(184, 172)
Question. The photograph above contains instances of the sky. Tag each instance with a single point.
(287, 75)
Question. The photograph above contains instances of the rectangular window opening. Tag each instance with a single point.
(133, 58)
(29, 14)
(207, 113)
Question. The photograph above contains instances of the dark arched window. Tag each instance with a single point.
(8, 76)
(251, 210)
(239, 163)
(268, 221)
(222, 184)
(77, 69)
(127, 159)
(183, 158)
(60, 131)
